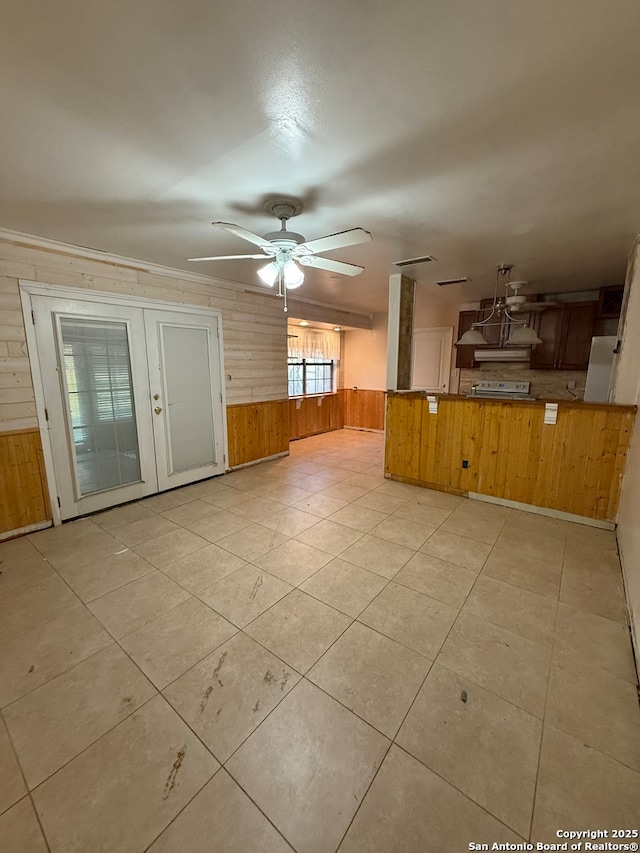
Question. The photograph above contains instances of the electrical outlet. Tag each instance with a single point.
(465, 463)
(571, 384)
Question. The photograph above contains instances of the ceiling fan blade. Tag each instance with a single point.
(538, 306)
(244, 234)
(334, 241)
(328, 264)
(229, 258)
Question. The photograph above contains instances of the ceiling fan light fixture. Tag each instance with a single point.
(523, 335)
(268, 274)
(293, 275)
(472, 337)
(287, 249)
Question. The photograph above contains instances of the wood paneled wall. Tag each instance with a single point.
(362, 408)
(311, 415)
(254, 337)
(575, 465)
(256, 430)
(23, 496)
(253, 323)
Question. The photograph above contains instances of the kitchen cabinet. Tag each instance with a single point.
(499, 328)
(493, 334)
(566, 333)
(464, 355)
(610, 302)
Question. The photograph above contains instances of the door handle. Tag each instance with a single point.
(157, 410)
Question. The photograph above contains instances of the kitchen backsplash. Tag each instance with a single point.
(545, 384)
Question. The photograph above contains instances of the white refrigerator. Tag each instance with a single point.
(598, 387)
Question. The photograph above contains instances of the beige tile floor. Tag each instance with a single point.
(304, 655)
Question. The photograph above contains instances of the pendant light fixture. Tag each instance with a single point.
(520, 333)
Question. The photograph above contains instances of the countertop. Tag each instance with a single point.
(493, 401)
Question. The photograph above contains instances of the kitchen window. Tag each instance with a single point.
(310, 376)
(312, 364)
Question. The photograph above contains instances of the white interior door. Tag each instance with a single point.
(185, 382)
(431, 359)
(132, 399)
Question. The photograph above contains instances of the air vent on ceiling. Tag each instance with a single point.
(410, 261)
(452, 281)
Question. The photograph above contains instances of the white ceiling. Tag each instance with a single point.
(479, 132)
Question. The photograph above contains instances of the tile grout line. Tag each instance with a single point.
(546, 700)
(304, 676)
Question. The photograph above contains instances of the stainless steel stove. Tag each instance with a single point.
(501, 390)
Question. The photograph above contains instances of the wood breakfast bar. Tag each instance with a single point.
(505, 450)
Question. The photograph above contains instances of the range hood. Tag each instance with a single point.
(505, 354)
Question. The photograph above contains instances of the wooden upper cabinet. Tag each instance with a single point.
(545, 356)
(610, 301)
(566, 333)
(579, 331)
(491, 332)
(464, 355)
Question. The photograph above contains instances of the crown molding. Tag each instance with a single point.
(30, 241)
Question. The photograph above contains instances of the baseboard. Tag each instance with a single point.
(543, 510)
(22, 531)
(635, 640)
(258, 461)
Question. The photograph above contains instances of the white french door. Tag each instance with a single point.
(133, 398)
(186, 390)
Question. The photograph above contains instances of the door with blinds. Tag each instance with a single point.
(132, 399)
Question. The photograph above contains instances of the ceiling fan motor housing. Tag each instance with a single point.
(283, 208)
(284, 239)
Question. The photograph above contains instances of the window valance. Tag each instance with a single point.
(314, 343)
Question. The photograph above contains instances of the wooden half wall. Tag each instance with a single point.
(257, 430)
(575, 465)
(312, 415)
(363, 409)
(23, 496)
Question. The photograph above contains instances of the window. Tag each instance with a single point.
(310, 376)
(313, 359)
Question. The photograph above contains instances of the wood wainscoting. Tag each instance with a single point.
(363, 409)
(24, 497)
(312, 415)
(257, 430)
(575, 465)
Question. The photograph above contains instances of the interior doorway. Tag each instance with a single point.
(130, 396)
(431, 359)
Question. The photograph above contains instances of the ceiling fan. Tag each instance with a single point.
(518, 302)
(286, 249)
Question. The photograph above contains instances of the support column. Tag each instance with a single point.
(401, 299)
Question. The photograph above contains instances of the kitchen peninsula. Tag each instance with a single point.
(505, 450)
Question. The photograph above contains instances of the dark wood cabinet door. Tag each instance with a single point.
(550, 327)
(526, 318)
(576, 346)
(493, 330)
(610, 301)
(464, 355)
